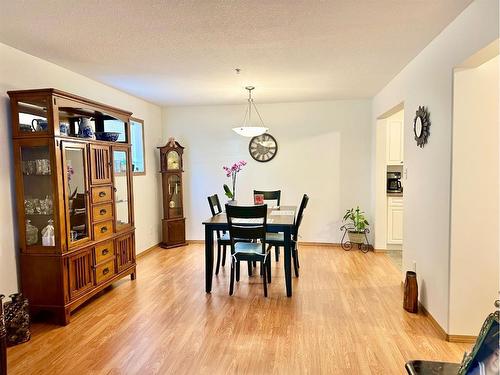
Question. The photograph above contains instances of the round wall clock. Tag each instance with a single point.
(421, 125)
(263, 147)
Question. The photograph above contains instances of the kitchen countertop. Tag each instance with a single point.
(395, 194)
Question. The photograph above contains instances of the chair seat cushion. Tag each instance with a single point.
(250, 248)
(275, 237)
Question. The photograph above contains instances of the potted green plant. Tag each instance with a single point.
(356, 225)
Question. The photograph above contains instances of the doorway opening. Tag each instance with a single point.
(389, 189)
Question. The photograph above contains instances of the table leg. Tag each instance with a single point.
(288, 261)
(209, 257)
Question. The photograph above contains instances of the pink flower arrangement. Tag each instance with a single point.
(232, 172)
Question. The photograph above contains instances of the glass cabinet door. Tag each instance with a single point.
(75, 169)
(121, 172)
(174, 196)
(37, 193)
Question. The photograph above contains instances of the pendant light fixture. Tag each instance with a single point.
(249, 129)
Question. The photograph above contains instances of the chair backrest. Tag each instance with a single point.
(270, 195)
(214, 203)
(247, 223)
(300, 214)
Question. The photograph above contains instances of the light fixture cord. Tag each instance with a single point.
(248, 113)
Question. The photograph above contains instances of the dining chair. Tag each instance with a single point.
(222, 237)
(274, 195)
(278, 240)
(247, 233)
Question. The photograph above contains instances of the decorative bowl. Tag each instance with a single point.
(107, 136)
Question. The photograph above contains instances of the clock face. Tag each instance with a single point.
(263, 147)
(173, 160)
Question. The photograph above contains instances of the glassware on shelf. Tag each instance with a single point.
(35, 206)
(29, 167)
(29, 206)
(45, 205)
(42, 167)
(31, 233)
(48, 235)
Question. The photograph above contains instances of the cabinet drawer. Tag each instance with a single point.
(103, 230)
(104, 271)
(101, 194)
(395, 202)
(104, 251)
(102, 212)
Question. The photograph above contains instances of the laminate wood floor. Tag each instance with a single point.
(345, 317)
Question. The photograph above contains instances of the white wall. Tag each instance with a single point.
(427, 80)
(323, 150)
(474, 266)
(19, 70)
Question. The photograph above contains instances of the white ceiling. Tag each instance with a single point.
(185, 52)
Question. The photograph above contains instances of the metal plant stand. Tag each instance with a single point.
(347, 244)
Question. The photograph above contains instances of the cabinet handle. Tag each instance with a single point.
(105, 271)
(102, 194)
(104, 229)
(103, 212)
(104, 251)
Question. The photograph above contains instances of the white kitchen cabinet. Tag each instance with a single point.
(395, 220)
(395, 143)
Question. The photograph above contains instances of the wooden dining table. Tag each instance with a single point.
(279, 219)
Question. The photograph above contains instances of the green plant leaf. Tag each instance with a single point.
(228, 192)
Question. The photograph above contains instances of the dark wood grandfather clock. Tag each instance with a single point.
(173, 222)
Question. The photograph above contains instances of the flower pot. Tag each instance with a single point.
(410, 300)
(356, 237)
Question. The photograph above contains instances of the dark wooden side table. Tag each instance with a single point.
(431, 368)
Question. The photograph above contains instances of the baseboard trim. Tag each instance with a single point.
(442, 333)
(327, 244)
(464, 339)
(193, 242)
(147, 251)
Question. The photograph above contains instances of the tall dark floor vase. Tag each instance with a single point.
(3, 341)
(410, 302)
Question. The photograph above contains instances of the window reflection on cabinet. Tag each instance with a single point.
(120, 169)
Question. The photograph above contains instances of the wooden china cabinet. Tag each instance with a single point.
(173, 223)
(74, 199)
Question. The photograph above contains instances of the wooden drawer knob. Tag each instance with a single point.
(102, 194)
(104, 229)
(104, 251)
(105, 271)
(103, 211)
